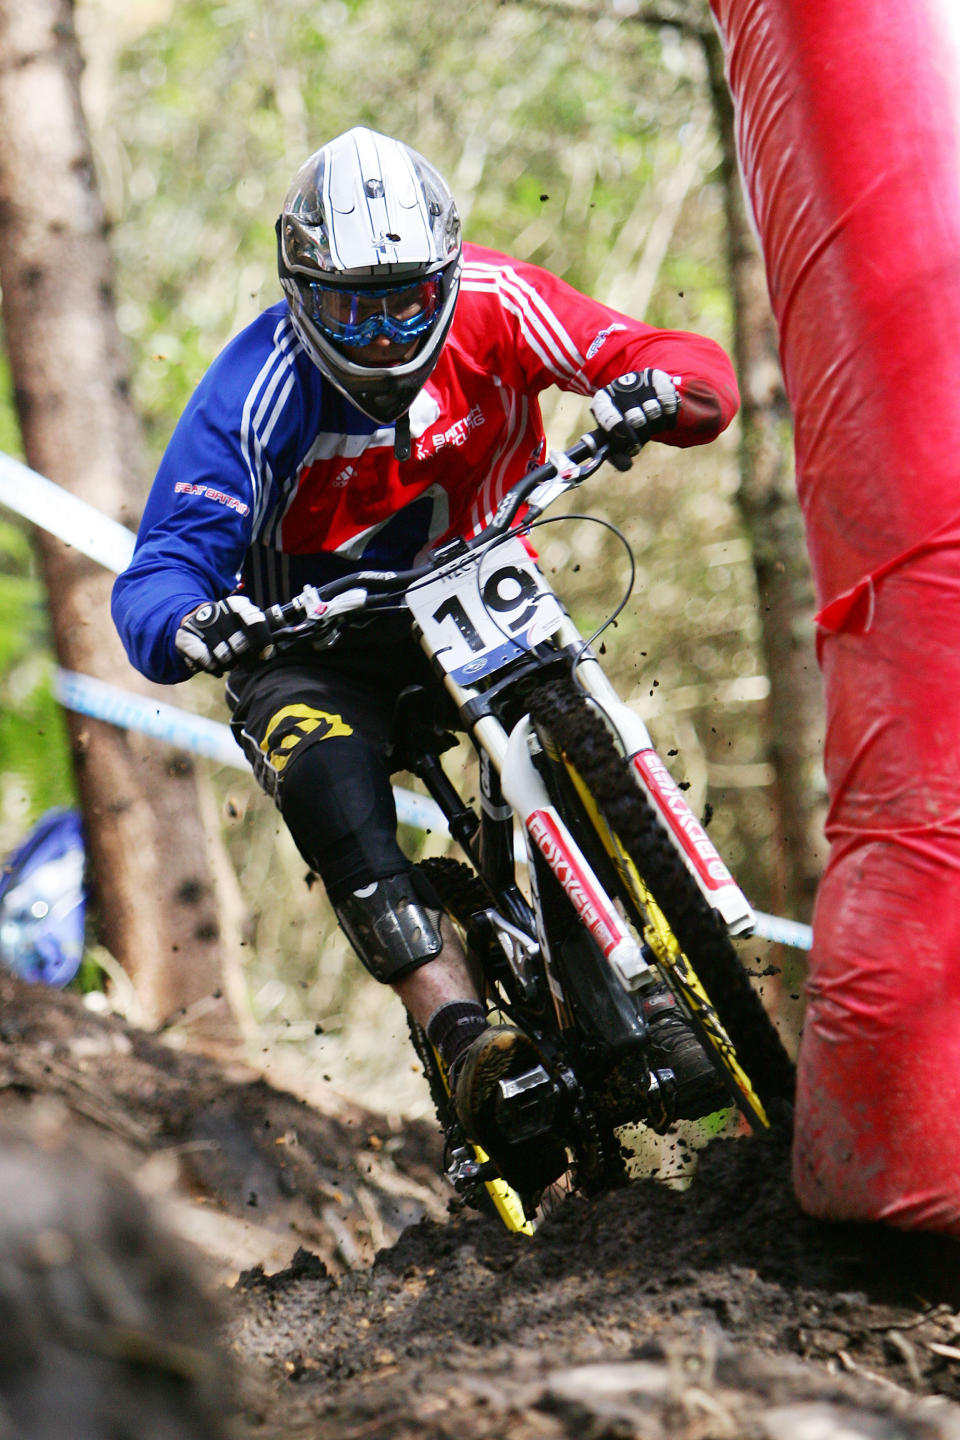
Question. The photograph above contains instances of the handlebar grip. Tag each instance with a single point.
(592, 442)
(280, 616)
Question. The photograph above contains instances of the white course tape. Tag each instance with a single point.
(54, 509)
(149, 717)
(73, 520)
(783, 932)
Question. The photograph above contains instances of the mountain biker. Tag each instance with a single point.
(384, 405)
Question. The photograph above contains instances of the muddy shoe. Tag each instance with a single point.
(507, 1104)
(672, 1045)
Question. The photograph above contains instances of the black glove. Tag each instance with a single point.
(218, 633)
(634, 407)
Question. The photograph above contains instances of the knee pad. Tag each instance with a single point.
(391, 925)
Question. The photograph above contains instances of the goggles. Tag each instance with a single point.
(357, 317)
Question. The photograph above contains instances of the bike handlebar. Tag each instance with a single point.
(315, 608)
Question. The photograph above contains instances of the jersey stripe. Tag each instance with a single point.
(543, 332)
(261, 410)
(540, 342)
(328, 444)
(516, 416)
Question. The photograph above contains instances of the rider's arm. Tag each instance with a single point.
(221, 462)
(562, 337)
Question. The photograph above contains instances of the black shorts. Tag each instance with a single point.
(301, 699)
(319, 732)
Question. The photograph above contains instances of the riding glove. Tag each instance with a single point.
(634, 407)
(218, 633)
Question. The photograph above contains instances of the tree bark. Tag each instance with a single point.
(149, 851)
(768, 504)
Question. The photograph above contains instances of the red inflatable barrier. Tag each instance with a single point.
(849, 134)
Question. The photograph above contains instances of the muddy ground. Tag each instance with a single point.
(352, 1301)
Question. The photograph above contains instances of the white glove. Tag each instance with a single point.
(634, 407)
(220, 632)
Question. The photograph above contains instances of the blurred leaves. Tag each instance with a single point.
(35, 773)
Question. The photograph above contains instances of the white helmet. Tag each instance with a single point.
(369, 245)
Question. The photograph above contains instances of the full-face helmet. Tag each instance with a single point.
(369, 247)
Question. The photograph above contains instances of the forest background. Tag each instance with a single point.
(584, 138)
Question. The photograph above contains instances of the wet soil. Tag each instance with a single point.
(354, 1302)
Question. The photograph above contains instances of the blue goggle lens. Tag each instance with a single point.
(357, 317)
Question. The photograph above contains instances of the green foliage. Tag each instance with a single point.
(34, 755)
(9, 428)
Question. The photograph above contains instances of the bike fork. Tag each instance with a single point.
(546, 830)
(697, 850)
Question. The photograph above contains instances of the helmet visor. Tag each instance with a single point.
(357, 317)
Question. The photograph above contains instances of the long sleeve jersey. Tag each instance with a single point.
(272, 480)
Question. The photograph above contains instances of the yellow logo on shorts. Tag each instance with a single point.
(293, 723)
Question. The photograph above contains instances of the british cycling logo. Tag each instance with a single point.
(457, 433)
(186, 487)
(601, 339)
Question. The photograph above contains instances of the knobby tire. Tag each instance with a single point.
(569, 721)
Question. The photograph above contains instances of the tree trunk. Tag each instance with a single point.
(152, 872)
(768, 504)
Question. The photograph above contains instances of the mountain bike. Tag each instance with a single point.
(587, 880)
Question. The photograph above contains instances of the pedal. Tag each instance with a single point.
(526, 1105)
(465, 1172)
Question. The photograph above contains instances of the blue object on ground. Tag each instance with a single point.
(43, 900)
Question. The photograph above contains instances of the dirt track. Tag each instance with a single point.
(648, 1313)
(716, 1312)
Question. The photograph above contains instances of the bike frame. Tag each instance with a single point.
(514, 612)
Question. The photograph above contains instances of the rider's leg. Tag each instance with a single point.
(318, 744)
(395, 923)
(338, 805)
(443, 981)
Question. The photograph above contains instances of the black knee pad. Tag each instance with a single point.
(391, 925)
(337, 801)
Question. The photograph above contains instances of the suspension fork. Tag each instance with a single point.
(547, 833)
(687, 834)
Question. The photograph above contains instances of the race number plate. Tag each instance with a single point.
(483, 612)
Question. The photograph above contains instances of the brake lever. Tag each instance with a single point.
(306, 616)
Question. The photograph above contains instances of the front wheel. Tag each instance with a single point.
(614, 821)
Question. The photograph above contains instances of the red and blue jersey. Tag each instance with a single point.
(273, 480)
